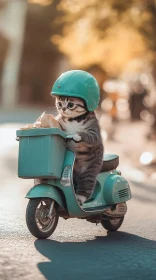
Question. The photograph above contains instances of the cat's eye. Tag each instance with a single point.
(59, 104)
(70, 105)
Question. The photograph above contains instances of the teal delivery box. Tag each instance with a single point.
(41, 152)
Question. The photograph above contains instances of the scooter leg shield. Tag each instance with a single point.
(44, 190)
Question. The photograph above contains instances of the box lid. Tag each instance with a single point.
(40, 132)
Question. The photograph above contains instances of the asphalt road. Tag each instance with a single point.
(77, 249)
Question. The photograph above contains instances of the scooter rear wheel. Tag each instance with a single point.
(38, 222)
(112, 225)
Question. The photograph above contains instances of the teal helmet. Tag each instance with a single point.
(78, 83)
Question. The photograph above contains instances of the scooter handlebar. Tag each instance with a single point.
(69, 138)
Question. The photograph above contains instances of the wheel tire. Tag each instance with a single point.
(112, 225)
(31, 217)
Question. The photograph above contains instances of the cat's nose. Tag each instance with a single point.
(63, 109)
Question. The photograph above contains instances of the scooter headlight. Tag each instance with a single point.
(66, 177)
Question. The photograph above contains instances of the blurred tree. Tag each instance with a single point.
(147, 27)
(141, 15)
(104, 31)
(98, 32)
(90, 33)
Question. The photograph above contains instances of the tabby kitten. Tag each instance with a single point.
(75, 119)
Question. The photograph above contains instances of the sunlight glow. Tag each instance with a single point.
(146, 158)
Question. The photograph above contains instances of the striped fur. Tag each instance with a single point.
(89, 152)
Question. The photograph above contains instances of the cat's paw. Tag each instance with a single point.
(80, 198)
(77, 137)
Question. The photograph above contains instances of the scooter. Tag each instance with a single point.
(43, 154)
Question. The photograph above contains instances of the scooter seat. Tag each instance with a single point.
(110, 162)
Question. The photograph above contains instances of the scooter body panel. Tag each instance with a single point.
(45, 190)
(109, 190)
(116, 189)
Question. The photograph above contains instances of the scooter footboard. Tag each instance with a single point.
(45, 190)
(116, 189)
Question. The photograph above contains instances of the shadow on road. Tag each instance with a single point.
(116, 255)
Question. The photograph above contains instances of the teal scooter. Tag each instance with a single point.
(43, 155)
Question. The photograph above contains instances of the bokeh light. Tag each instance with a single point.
(146, 158)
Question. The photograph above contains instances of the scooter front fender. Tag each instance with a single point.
(45, 190)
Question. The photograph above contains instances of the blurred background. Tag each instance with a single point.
(113, 40)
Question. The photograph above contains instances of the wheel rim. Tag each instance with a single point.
(114, 222)
(43, 222)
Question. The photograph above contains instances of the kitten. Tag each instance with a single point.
(75, 119)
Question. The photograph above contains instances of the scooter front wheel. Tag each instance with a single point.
(40, 222)
(112, 225)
